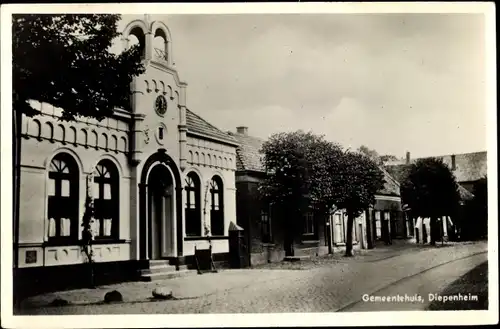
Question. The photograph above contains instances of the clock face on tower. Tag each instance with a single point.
(161, 105)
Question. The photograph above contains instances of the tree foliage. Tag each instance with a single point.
(305, 170)
(430, 190)
(287, 184)
(375, 156)
(362, 178)
(65, 60)
(287, 166)
(372, 154)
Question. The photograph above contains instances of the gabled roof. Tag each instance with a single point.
(465, 195)
(391, 186)
(399, 173)
(197, 124)
(468, 166)
(248, 156)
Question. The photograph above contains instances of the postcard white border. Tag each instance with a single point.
(248, 320)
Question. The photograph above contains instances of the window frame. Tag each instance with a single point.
(265, 224)
(58, 206)
(308, 218)
(216, 187)
(189, 212)
(109, 206)
(378, 224)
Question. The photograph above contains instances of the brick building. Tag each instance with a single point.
(162, 179)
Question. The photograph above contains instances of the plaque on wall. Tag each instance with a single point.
(30, 257)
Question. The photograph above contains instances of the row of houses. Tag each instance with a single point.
(265, 234)
(164, 182)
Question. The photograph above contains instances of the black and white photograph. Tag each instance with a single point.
(257, 164)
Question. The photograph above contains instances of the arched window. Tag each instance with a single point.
(192, 208)
(217, 206)
(63, 199)
(106, 200)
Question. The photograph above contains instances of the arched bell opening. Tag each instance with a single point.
(137, 37)
(160, 45)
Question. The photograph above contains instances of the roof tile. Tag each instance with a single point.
(248, 153)
(197, 124)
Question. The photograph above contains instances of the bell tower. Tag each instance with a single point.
(158, 96)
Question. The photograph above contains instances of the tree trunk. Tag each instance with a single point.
(434, 230)
(289, 231)
(369, 228)
(348, 241)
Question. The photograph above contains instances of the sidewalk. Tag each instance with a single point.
(188, 287)
(323, 287)
(380, 252)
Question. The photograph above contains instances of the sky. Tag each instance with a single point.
(392, 82)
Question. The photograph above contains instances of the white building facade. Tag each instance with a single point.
(162, 178)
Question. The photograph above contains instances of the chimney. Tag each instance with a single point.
(242, 130)
(453, 163)
(408, 158)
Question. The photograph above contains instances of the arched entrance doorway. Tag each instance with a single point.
(160, 215)
(161, 212)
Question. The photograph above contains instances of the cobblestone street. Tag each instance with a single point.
(327, 284)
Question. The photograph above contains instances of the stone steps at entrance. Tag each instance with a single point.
(162, 269)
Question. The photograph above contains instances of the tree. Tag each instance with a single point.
(88, 236)
(287, 179)
(65, 60)
(326, 186)
(375, 156)
(361, 179)
(430, 190)
(372, 154)
(388, 157)
(299, 167)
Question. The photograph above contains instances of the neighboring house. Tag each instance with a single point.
(467, 168)
(388, 211)
(160, 175)
(264, 230)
